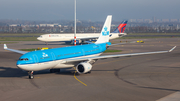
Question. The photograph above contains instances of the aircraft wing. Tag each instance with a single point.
(13, 50)
(113, 56)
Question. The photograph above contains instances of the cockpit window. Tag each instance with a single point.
(24, 59)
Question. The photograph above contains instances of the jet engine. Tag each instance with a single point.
(83, 67)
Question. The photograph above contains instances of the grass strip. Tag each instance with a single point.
(112, 51)
(21, 34)
(148, 37)
(153, 33)
(29, 49)
(18, 38)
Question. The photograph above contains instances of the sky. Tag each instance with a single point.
(94, 10)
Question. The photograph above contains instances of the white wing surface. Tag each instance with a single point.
(13, 50)
(113, 56)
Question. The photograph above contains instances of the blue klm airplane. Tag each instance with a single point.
(81, 56)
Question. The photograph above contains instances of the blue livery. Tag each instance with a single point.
(105, 32)
(41, 56)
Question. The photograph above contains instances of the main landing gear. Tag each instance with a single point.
(30, 73)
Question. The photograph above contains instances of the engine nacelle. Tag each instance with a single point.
(83, 67)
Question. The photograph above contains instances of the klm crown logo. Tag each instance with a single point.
(105, 32)
(45, 55)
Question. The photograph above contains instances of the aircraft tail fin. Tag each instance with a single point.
(121, 27)
(104, 36)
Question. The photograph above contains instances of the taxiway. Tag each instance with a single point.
(136, 78)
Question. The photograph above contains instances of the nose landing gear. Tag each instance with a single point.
(30, 73)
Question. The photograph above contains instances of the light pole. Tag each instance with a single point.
(74, 22)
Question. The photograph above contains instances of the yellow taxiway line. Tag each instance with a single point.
(78, 79)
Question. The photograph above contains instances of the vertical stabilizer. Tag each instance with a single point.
(121, 27)
(104, 35)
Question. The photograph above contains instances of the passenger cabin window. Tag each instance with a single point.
(24, 59)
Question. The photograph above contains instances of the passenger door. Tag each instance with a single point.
(35, 59)
(53, 56)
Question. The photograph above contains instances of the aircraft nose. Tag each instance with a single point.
(23, 67)
(38, 38)
(20, 66)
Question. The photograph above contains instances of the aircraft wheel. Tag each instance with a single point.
(31, 75)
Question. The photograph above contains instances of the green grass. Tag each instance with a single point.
(148, 37)
(18, 38)
(32, 49)
(29, 49)
(112, 51)
(153, 33)
(21, 34)
(143, 37)
(30, 36)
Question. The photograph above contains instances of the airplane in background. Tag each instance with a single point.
(82, 57)
(80, 38)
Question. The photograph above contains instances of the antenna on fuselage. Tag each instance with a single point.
(74, 22)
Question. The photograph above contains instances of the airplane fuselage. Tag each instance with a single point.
(55, 58)
(70, 37)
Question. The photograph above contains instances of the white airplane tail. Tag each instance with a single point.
(104, 36)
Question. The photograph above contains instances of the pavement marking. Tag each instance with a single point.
(78, 79)
(172, 97)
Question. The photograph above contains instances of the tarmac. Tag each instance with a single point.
(153, 77)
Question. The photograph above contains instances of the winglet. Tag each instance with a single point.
(5, 47)
(172, 49)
